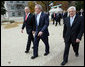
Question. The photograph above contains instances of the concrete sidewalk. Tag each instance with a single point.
(73, 61)
(13, 44)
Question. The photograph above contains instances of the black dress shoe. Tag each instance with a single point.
(77, 54)
(63, 63)
(46, 54)
(33, 57)
(26, 51)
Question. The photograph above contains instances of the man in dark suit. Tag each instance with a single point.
(72, 33)
(42, 23)
(58, 18)
(28, 23)
(53, 17)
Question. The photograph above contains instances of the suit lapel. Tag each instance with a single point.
(74, 21)
(28, 16)
(40, 18)
(36, 19)
(69, 21)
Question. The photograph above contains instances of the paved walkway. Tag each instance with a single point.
(13, 44)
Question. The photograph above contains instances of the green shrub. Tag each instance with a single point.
(5, 20)
(12, 21)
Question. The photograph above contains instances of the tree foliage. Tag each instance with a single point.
(45, 5)
(3, 10)
(79, 5)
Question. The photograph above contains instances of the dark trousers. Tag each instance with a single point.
(36, 44)
(58, 21)
(30, 38)
(67, 47)
(53, 20)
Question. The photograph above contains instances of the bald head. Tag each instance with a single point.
(27, 10)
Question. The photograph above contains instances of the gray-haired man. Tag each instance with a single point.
(72, 33)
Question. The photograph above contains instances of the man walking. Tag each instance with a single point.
(42, 23)
(28, 23)
(72, 33)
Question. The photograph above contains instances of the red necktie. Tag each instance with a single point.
(54, 14)
(26, 17)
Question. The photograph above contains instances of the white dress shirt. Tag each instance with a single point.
(38, 18)
(72, 20)
(28, 14)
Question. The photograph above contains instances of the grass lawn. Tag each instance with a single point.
(11, 25)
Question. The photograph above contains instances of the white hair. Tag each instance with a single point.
(26, 7)
(72, 7)
(39, 6)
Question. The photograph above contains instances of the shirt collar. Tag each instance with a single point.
(28, 14)
(73, 17)
(39, 14)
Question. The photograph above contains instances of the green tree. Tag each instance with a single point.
(45, 4)
(65, 4)
(3, 10)
(31, 5)
(79, 5)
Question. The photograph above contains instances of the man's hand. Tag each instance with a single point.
(64, 39)
(77, 40)
(40, 33)
(33, 32)
(22, 31)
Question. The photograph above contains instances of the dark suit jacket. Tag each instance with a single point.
(29, 23)
(76, 31)
(43, 25)
(52, 16)
(58, 16)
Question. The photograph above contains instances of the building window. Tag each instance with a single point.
(11, 1)
(17, 1)
(13, 14)
(19, 6)
(19, 14)
(12, 7)
(23, 2)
